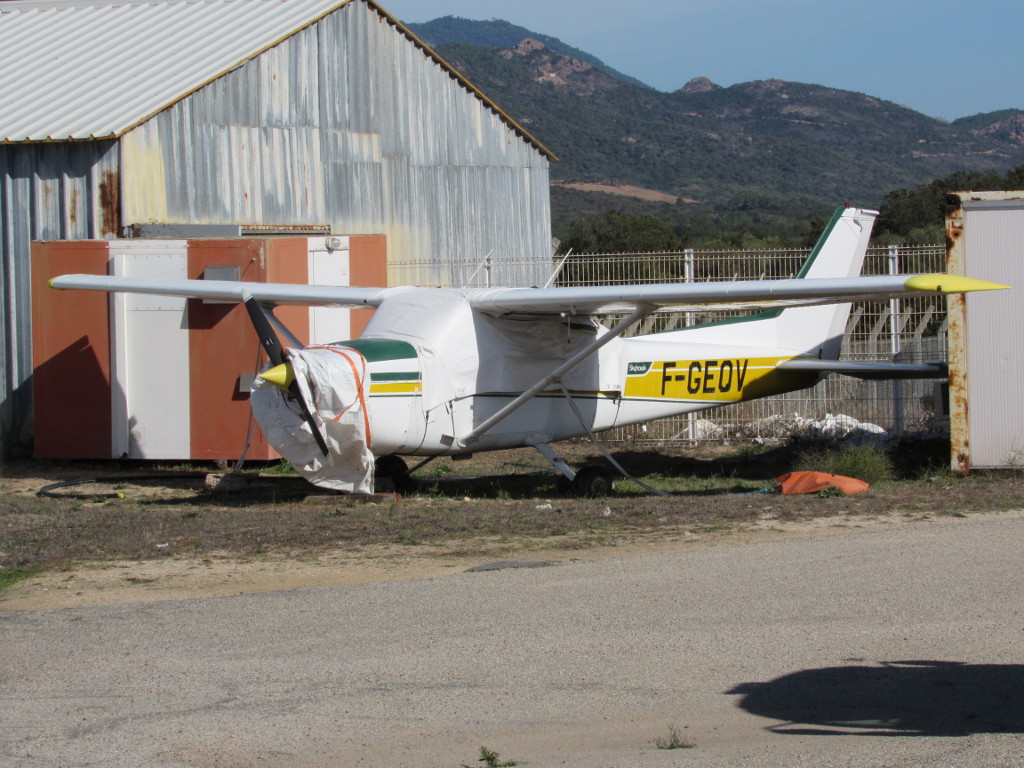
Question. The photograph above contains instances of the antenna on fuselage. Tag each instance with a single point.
(558, 269)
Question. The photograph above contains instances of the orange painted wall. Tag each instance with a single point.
(368, 268)
(71, 343)
(71, 354)
(223, 346)
(288, 262)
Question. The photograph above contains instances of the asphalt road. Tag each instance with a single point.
(894, 647)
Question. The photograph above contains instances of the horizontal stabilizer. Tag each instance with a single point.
(868, 370)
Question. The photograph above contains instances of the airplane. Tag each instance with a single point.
(455, 371)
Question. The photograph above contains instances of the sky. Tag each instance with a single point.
(944, 58)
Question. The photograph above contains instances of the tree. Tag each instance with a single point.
(615, 232)
(918, 215)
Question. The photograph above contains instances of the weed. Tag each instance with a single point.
(11, 576)
(283, 467)
(750, 452)
(675, 740)
(862, 462)
(491, 759)
(832, 492)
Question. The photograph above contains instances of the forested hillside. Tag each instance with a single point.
(754, 162)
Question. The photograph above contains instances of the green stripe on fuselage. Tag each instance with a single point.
(387, 376)
(377, 350)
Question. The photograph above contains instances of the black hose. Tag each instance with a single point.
(48, 491)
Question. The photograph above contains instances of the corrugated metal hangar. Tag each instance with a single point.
(175, 117)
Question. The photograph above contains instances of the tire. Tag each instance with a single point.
(390, 471)
(592, 480)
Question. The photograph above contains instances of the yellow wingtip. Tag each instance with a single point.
(281, 376)
(941, 283)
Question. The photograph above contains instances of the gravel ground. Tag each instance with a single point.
(894, 646)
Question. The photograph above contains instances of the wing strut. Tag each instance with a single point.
(636, 316)
(600, 446)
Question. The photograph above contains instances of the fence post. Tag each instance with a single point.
(894, 319)
(688, 278)
(691, 418)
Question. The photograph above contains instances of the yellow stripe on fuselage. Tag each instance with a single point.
(722, 380)
(396, 388)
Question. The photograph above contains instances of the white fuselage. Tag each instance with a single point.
(631, 381)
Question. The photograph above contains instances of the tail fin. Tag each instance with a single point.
(818, 330)
(839, 253)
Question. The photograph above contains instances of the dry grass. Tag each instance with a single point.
(496, 497)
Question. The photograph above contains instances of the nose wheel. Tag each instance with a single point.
(391, 473)
(592, 480)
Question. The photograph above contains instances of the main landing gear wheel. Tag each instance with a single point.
(391, 471)
(592, 480)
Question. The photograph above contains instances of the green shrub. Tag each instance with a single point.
(864, 463)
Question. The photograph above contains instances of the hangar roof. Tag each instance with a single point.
(94, 69)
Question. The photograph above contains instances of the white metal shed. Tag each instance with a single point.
(985, 239)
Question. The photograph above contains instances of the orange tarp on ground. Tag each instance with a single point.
(812, 482)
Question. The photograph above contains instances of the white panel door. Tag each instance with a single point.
(150, 351)
(329, 267)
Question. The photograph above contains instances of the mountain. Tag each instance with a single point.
(502, 34)
(1006, 124)
(769, 148)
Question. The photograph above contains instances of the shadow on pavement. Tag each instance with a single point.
(901, 698)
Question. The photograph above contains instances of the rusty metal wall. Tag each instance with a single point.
(985, 233)
(347, 123)
(51, 191)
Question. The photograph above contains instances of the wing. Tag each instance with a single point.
(596, 300)
(759, 294)
(232, 290)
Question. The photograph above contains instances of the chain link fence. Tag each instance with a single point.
(900, 330)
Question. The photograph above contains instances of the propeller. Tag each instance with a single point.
(281, 374)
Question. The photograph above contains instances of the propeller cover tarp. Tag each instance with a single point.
(335, 383)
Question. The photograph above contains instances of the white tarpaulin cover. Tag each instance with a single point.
(335, 383)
